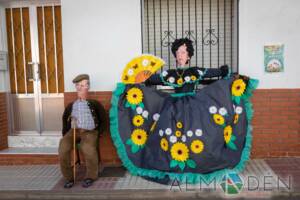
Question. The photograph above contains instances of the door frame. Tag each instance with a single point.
(37, 95)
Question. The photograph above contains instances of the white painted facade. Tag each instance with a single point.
(268, 22)
(100, 37)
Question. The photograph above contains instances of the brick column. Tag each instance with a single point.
(3, 121)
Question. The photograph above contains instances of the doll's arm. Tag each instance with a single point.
(102, 116)
(66, 119)
(213, 72)
(154, 79)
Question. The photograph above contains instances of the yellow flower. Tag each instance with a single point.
(227, 133)
(238, 87)
(180, 152)
(164, 144)
(193, 78)
(134, 96)
(138, 120)
(236, 118)
(139, 137)
(180, 81)
(179, 125)
(197, 146)
(178, 133)
(219, 119)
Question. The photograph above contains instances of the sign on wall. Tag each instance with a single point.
(274, 58)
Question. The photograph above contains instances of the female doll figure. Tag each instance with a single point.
(189, 135)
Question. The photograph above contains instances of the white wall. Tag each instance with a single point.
(270, 21)
(99, 38)
(3, 47)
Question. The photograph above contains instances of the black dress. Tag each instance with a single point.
(188, 135)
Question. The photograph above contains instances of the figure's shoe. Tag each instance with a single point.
(69, 184)
(87, 182)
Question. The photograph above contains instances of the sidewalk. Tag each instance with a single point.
(260, 180)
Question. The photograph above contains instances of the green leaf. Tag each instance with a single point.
(133, 107)
(191, 163)
(233, 138)
(237, 100)
(142, 105)
(231, 145)
(173, 163)
(127, 104)
(129, 142)
(181, 165)
(134, 148)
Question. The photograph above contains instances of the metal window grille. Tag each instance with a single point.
(212, 25)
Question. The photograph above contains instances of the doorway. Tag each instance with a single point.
(34, 39)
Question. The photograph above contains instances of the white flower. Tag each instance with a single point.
(130, 72)
(223, 111)
(213, 110)
(183, 138)
(145, 62)
(171, 79)
(164, 73)
(189, 133)
(145, 114)
(168, 131)
(173, 139)
(161, 132)
(238, 110)
(187, 79)
(198, 132)
(200, 72)
(139, 110)
(233, 106)
(156, 117)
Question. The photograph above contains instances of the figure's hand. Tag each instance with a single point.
(238, 76)
(224, 70)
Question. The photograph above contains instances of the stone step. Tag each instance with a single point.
(34, 141)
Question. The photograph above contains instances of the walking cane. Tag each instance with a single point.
(74, 123)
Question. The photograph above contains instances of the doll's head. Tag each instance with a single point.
(182, 50)
(82, 84)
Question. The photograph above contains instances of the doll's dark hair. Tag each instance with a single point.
(179, 42)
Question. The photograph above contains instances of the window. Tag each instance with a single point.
(210, 24)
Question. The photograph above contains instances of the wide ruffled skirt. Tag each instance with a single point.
(183, 136)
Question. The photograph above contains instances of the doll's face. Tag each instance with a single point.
(82, 88)
(182, 55)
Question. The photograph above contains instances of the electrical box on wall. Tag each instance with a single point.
(3, 61)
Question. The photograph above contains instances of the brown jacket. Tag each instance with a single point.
(98, 113)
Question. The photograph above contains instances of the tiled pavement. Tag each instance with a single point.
(47, 178)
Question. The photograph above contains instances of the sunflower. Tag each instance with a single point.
(138, 120)
(227, 133)
(139, 137)
(178, 133)
(164, 144)
(219, 119)
(197, 146)
(238, 87)
(193, 78)
(180, 152)
(180, 81)
(179, 125)
(236, 118)
(134, 96)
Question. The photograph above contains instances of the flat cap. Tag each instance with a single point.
(81, 77)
